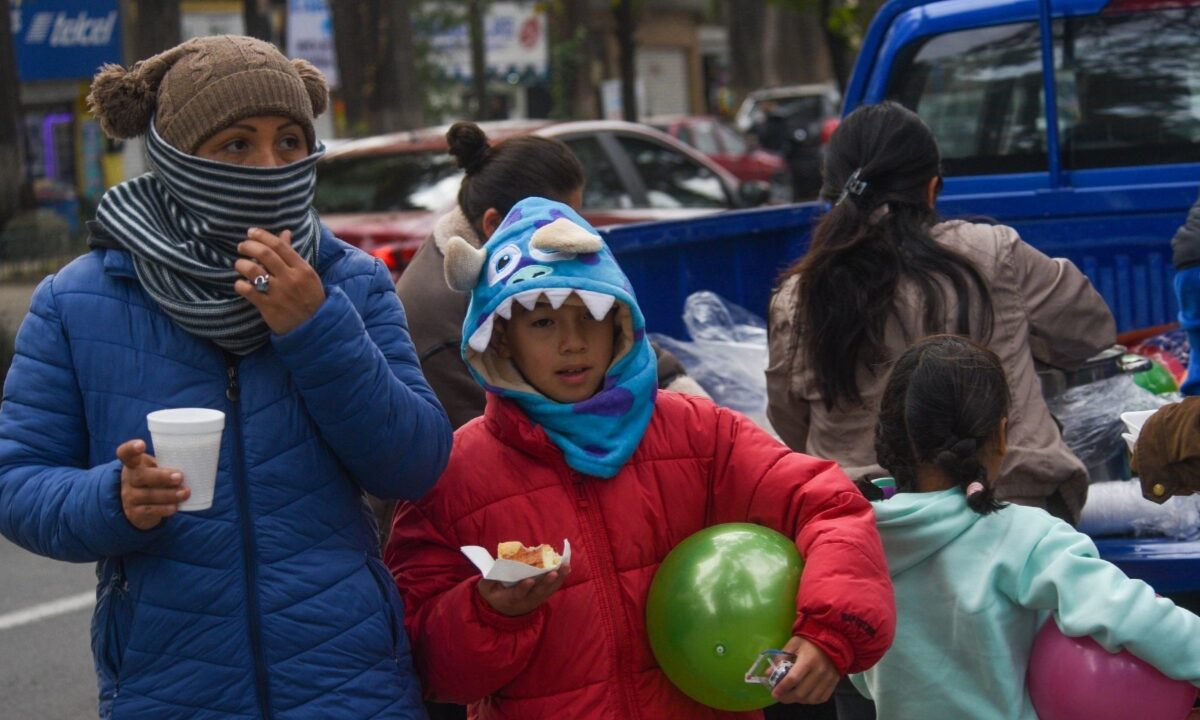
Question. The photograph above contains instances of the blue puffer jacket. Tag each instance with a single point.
(273, 603)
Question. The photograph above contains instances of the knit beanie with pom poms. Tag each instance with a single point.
(202, 86)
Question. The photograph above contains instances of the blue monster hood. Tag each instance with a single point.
(544, 249)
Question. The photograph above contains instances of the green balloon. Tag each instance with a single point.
(720, 598)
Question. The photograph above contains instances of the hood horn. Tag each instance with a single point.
(464, 263)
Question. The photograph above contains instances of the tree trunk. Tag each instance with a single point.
(796, 47)
(839, 47)
(15, 191)
(626, 43)
(377, 64)
(154, 27)
(256, 18)
(476, 12)
(571, 60)
(747, 24)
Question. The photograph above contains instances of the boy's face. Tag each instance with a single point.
(563, 353)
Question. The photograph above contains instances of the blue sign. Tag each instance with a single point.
(65, 39)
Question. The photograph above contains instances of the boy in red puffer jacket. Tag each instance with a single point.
(576, 443)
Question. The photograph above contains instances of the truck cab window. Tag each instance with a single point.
(1129, 88)
(980, 91)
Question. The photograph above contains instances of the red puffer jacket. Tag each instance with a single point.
(584, 653)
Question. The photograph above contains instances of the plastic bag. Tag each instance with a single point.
(1091, 418)
(1118, 508)
(727, 354)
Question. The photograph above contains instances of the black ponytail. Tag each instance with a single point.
(944, 401)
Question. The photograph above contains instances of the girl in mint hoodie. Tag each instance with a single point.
(974, 579)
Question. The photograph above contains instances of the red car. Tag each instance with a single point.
(725, 145)
(384, 193)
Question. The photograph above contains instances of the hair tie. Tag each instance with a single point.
(974, 488)
(853, 186)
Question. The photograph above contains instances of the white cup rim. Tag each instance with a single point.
(186, 420)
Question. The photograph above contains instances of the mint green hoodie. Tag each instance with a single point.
(972, 591)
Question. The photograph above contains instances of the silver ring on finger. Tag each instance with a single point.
(262, 283)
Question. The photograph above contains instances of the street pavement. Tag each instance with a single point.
(45, 662)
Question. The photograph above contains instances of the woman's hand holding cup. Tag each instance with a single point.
(148, 493)
(292, 290)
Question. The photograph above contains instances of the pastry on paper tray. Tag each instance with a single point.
(514, 562)
(542, 556)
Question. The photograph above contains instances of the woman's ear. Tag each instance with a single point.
(490, 221)
(1002, 437)
(934, 189)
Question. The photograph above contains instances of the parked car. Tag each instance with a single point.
(384, 193)
(809, 105)
(720, 141)
(793, 121)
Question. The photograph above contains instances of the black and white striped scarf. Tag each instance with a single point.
(183, 220)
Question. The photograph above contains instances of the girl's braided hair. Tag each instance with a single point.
(943, 403)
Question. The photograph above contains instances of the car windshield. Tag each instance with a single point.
(387, 183)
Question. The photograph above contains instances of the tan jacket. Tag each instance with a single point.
(1044, 308)
(435, 318)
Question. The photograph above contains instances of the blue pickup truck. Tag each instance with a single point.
(1075, 121)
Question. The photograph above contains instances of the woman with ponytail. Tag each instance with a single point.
(212, 284)
(975, 578)
(884, 271)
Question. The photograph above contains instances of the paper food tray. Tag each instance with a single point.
(1134, 420)
(509, 572)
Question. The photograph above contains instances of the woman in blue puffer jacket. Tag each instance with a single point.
(211, 283)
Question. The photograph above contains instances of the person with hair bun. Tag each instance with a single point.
(497, 177)
(883, 271)
(975, 579)
(211, 283)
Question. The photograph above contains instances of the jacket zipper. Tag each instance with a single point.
(249, 551)
(611, 610)
(118, 583)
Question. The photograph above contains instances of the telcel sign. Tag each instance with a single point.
(65, 39)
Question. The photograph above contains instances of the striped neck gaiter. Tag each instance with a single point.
(183, 220)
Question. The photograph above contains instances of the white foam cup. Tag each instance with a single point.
(189, 440)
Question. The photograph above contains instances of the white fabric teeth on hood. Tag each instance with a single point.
(505, 309)
(528, 299)
(598, 304)
(557, 296)
(482, 337)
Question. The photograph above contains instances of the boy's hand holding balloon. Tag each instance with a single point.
(292, 291)
(812, 678)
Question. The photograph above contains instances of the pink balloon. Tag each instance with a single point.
(1077, 679)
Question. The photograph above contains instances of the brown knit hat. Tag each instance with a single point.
(1167, 456)
(202, 86)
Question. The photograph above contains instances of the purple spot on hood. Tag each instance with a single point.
(639, 334)
(555, 214)
(488, 387)
(513, 216)
(595, 450)
(609, 402)
(480, 319)
(589, 258)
